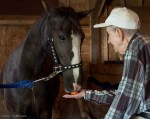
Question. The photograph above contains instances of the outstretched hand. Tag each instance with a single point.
(76, 96)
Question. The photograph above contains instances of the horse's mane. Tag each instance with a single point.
(57, 14)
(71, 15)
(41, 29)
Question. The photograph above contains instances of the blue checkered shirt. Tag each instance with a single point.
(133, 94)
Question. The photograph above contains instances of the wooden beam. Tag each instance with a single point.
(123, 3)
(101, 7)
(16, 22)
(24, 7)
(17, 19)
(68, 2)
(95, 53)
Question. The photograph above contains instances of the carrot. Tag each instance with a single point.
(74, 92)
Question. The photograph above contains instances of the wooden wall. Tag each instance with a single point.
(12, 32)
(24, 7)
(14, 28)
(95, 49)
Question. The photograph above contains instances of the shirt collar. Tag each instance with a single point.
(133, 37)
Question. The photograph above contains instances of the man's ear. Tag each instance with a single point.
(120, 33)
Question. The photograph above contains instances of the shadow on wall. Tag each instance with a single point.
(102, 85)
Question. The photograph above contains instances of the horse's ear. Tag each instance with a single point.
(83, 14)
(45, 5)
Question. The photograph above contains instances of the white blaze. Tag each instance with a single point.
(76, 42)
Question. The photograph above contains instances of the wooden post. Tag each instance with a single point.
(95, 37)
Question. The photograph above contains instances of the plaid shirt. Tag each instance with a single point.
(133, 94)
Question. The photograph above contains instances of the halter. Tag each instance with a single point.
(55, 58)
(58, 68)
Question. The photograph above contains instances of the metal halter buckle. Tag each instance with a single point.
(57, 69)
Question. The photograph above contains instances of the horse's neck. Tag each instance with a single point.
(33, 52)
(32, 58)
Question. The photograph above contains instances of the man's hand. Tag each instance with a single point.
(76, 96)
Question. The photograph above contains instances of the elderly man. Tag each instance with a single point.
(133, 94)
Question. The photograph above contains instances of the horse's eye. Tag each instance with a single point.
(62, 38)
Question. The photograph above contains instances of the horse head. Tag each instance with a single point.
(65, 36)
(65, 32)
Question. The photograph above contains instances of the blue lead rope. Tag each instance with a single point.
(20, 84)
(29, 84)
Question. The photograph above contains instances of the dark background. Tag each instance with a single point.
(24, 7)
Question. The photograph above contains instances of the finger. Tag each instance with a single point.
(69, 96)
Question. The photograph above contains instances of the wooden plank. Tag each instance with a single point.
(2, 36)
(87, 4)
(86, 31)
(113, 79)
(134, 3)
(85, 21)
(78, 5)
(62, 2)
(112, 55)
(146, 2)
(87, 41)
(92, 4)
(85, 50)
(95, 32)
(143, 13)
(27, 19)
(3, 56)
(144, 16)
(101, 7)
(104, 46)
(103, 42)
(16, 22)
(10, 40)
(123, 3)
(17, 19)
(68, 2)
(85, 58)
(24, 7)
(86, 67)
(113, 69)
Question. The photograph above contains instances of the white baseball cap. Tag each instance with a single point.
(121, 17)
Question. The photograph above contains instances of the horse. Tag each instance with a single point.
(52, 45)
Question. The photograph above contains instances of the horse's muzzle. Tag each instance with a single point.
(76, 87)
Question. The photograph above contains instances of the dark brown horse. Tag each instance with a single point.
(53, 41)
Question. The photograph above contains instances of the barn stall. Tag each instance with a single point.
(100, 63)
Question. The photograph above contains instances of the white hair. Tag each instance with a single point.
(128, 32)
